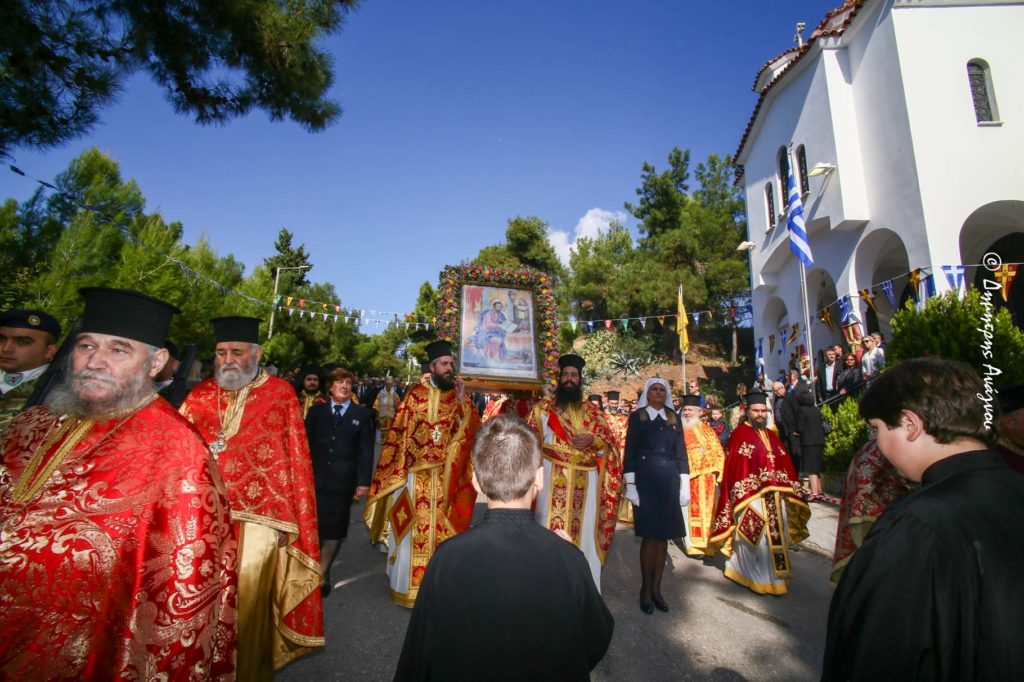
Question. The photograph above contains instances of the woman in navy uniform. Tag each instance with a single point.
(657, 483)
(340, 434)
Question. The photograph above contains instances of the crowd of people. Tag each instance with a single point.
(185, 527)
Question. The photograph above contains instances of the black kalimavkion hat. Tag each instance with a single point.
(126, 313)
(571, 360)
(236, 328)
(438, 349)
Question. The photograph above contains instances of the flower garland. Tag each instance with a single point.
(449, 317)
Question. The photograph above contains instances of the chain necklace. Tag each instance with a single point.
(230, 417)
(73, 430)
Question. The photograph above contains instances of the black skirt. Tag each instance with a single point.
(333, 512)
(659, 515)
(812, 459)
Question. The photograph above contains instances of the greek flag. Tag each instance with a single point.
(798, 243)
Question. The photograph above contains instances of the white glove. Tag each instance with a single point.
(631, 494)
(684, 489)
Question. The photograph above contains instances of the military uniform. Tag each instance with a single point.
(17, 387)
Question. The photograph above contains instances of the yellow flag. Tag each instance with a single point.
(684, 323)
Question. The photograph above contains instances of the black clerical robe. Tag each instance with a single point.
(506, 600)
(936, 592)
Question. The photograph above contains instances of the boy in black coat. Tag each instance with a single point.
(508, 599)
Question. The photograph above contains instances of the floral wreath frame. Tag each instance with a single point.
(449, 317)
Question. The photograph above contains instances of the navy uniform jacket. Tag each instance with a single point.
(342, 455)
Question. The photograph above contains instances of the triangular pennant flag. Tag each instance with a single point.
(572, 325)
(867, 297)
(625, 325)
(759, 354)
(302, 302)
(608, 324)
(1005, 276)
(590, 325)
(323, 306)
(661, 319)
(288, 301)
(696, 319)
(291, 311)
(955, 277)
(796, 332)
(643, 323)
(826, 317)
(771, 343)
(277, 299)
(337, 308)
(783, 333)
(889, 293)
(914, 279)
(929, 286)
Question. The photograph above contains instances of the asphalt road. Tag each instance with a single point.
(716, 630)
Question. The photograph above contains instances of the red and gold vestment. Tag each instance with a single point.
(422, 493)
(117, 558)
(579, 480)
(308, 400)
(706, 459)
(760, 511)
(268, 473)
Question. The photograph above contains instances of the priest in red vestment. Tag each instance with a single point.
(253, 425)
(422, 492)
(582, 467)
(760, 511)
(117, 559)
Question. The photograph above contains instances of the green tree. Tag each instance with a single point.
(64, 60)
(526, 245)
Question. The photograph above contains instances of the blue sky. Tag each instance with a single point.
(457, 117)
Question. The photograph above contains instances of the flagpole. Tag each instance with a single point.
(807, 324)
(680, 324)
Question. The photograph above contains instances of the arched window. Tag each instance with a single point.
(769, 198)
(801, 165)
(784, 175)
(979, 77)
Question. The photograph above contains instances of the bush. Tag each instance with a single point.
(848, 435)
(959, 329)
(607, 352)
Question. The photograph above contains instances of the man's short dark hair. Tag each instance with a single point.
(945, 394)
(506, 456)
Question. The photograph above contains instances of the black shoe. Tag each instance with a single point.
(660, 604)
(647, 607)
(325, 589)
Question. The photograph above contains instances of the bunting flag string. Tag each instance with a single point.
(869, 298)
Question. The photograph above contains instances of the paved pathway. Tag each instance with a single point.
(716, 630)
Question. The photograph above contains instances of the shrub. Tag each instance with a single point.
(959, 329)
(848, 435)
(607, 352)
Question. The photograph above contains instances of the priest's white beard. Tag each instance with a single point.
(127, 393)
(690, 423)
(233, 376)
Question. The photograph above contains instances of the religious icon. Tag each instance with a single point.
(497, 332)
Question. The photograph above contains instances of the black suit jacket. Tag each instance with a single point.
(826, 392)
(343, 454)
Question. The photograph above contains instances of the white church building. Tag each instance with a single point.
(904, 120)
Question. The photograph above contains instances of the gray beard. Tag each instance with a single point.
(65, 399)
(231, 379)
(690, 423)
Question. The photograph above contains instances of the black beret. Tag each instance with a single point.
(236, 328)
(126, 313)
(30, 319)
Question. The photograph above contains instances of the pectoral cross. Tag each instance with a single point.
(218, 446)
(435, 435)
